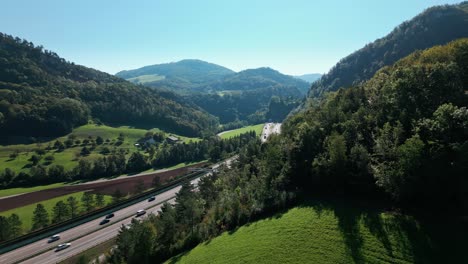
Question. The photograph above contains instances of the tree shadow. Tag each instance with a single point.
(407, 235)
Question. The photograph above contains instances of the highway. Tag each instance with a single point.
(84, 236)
(270, 128)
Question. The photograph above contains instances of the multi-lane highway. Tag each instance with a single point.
(84, 236)
(270, 128)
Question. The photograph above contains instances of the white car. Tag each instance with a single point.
(63, 246)
(140, 212)
(54, 238)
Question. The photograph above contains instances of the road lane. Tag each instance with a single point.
(91, 226)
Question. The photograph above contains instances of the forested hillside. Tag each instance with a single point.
(42, 95)
(401, 137)
(435, 26)
(403, 133)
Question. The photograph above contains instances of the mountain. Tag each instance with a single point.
(310, 78)
(182, 76)
(43, 95)
(240, 98)
(435, 26)
(262, 78)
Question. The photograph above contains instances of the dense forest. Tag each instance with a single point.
(401, 137)
(436, 26)
(42, 95)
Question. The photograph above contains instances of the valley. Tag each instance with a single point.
(245, 154)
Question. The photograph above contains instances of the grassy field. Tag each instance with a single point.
(25, 213)
(13, 191)
(257, 128)
(146, 78)
(339, 233)
(69, 157)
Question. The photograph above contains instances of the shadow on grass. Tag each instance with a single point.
(420, 239)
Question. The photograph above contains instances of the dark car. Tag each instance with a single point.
(109, 215)
(152, 198)
(62, 246)
(140, 212)
(54, 238)
(104, 221)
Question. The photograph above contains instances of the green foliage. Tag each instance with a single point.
(73, 205)
(61, 212)
(403, 132)
(10, 227)
(435, 26)
(88, 201)
(43, 95)
(40, 218)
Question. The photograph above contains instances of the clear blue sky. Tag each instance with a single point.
(293, 36)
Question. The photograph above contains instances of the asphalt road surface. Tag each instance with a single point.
(270, 128)
(84, 236)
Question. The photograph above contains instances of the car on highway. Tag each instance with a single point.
(104, 221)
(53, 238)
(110, 215)
(62, 246)
(152, 198)
(140, 212)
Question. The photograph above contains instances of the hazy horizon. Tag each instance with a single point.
(295, 38)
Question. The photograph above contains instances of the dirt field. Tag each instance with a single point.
(125, 185)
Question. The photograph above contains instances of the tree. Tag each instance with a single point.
(99, 140)
(40, 217)
(15, 225)
(100, 202)
(57, 173)
(83, 170)
(88, 201)
(35, 159)
(59, 145)
(85, 151)
(4, 228)
(137, 162)
(73, 206)
(61, 212)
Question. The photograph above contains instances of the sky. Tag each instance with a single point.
(294, 36)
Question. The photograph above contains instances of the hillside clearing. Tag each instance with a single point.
(232, 133)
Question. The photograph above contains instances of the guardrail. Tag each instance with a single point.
(34, 236)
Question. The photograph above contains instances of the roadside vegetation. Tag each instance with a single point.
(59, 209)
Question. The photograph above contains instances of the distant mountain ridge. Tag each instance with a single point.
(195, 71)
(188, 76)
(262, 78)
(435, 26)
(310, 77)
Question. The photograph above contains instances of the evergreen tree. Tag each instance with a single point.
(40, 217)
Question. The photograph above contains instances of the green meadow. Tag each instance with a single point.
(316, 232)
(257, 128)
